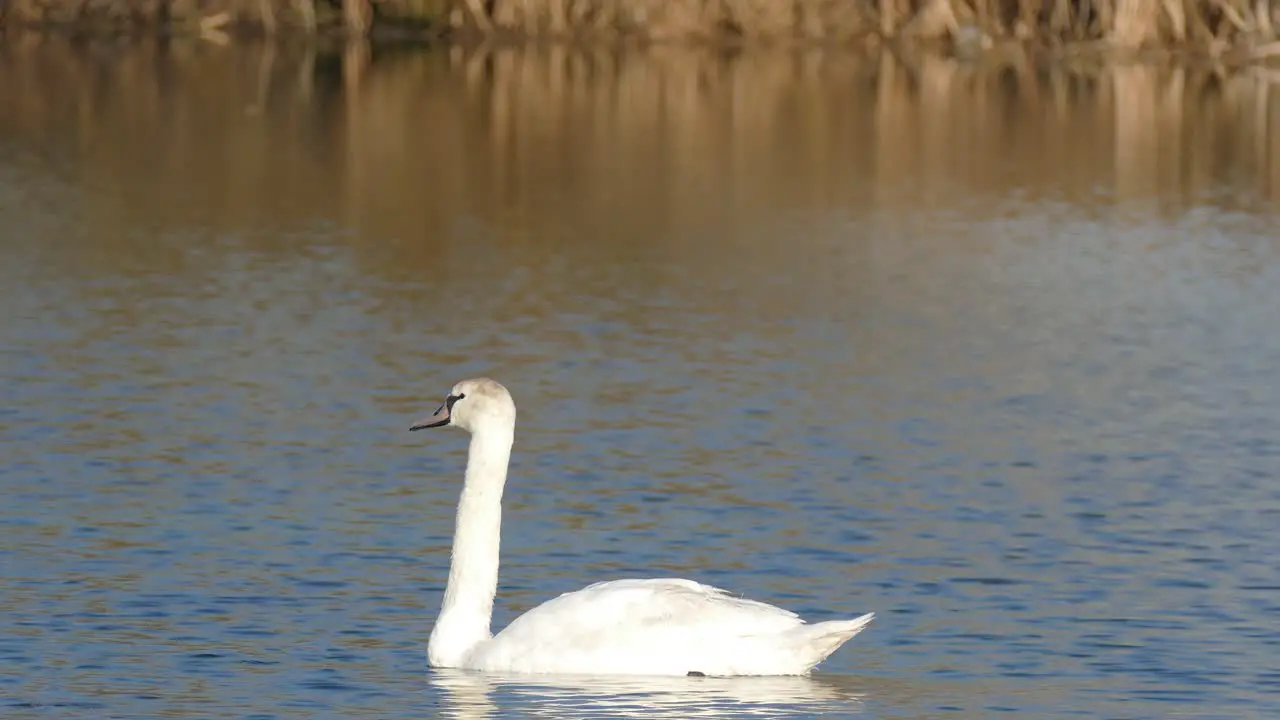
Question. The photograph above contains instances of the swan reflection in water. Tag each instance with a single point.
(470, 695)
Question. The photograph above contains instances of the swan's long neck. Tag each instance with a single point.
(473, 572)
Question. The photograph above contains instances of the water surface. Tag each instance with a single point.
(987, 349)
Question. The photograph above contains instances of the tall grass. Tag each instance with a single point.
(1243, 29)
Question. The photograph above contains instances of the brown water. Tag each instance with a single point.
(988, 349)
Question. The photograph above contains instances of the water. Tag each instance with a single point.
(989, 350)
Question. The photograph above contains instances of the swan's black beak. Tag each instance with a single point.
(442, 416)
(438, 418)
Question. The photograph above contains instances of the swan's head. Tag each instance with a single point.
(473, 404)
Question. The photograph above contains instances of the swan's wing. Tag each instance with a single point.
(680, 601)
(636, 618)
(669, 602)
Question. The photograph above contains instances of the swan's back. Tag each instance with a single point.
(662, 626)
(661, 602)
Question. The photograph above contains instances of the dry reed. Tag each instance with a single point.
(1237, 29)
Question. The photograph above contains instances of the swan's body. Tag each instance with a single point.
(621, 627)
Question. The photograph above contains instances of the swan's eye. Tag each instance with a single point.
(449, 401)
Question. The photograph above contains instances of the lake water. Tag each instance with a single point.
(990, 349)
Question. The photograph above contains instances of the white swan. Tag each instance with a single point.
(622, 627)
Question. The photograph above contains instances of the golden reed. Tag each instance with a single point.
(1234, 30)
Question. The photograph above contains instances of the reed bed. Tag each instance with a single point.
(1237, 29)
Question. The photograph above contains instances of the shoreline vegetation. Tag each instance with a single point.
(1234, 32)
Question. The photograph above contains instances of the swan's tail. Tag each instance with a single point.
(822, 639)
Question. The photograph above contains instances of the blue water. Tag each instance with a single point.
(1035, 432)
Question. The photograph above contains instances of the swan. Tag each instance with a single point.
(660, 626)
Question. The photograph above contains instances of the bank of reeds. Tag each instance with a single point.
(1240, 29)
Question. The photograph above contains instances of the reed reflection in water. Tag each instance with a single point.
(411, 138)
(986, 348)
